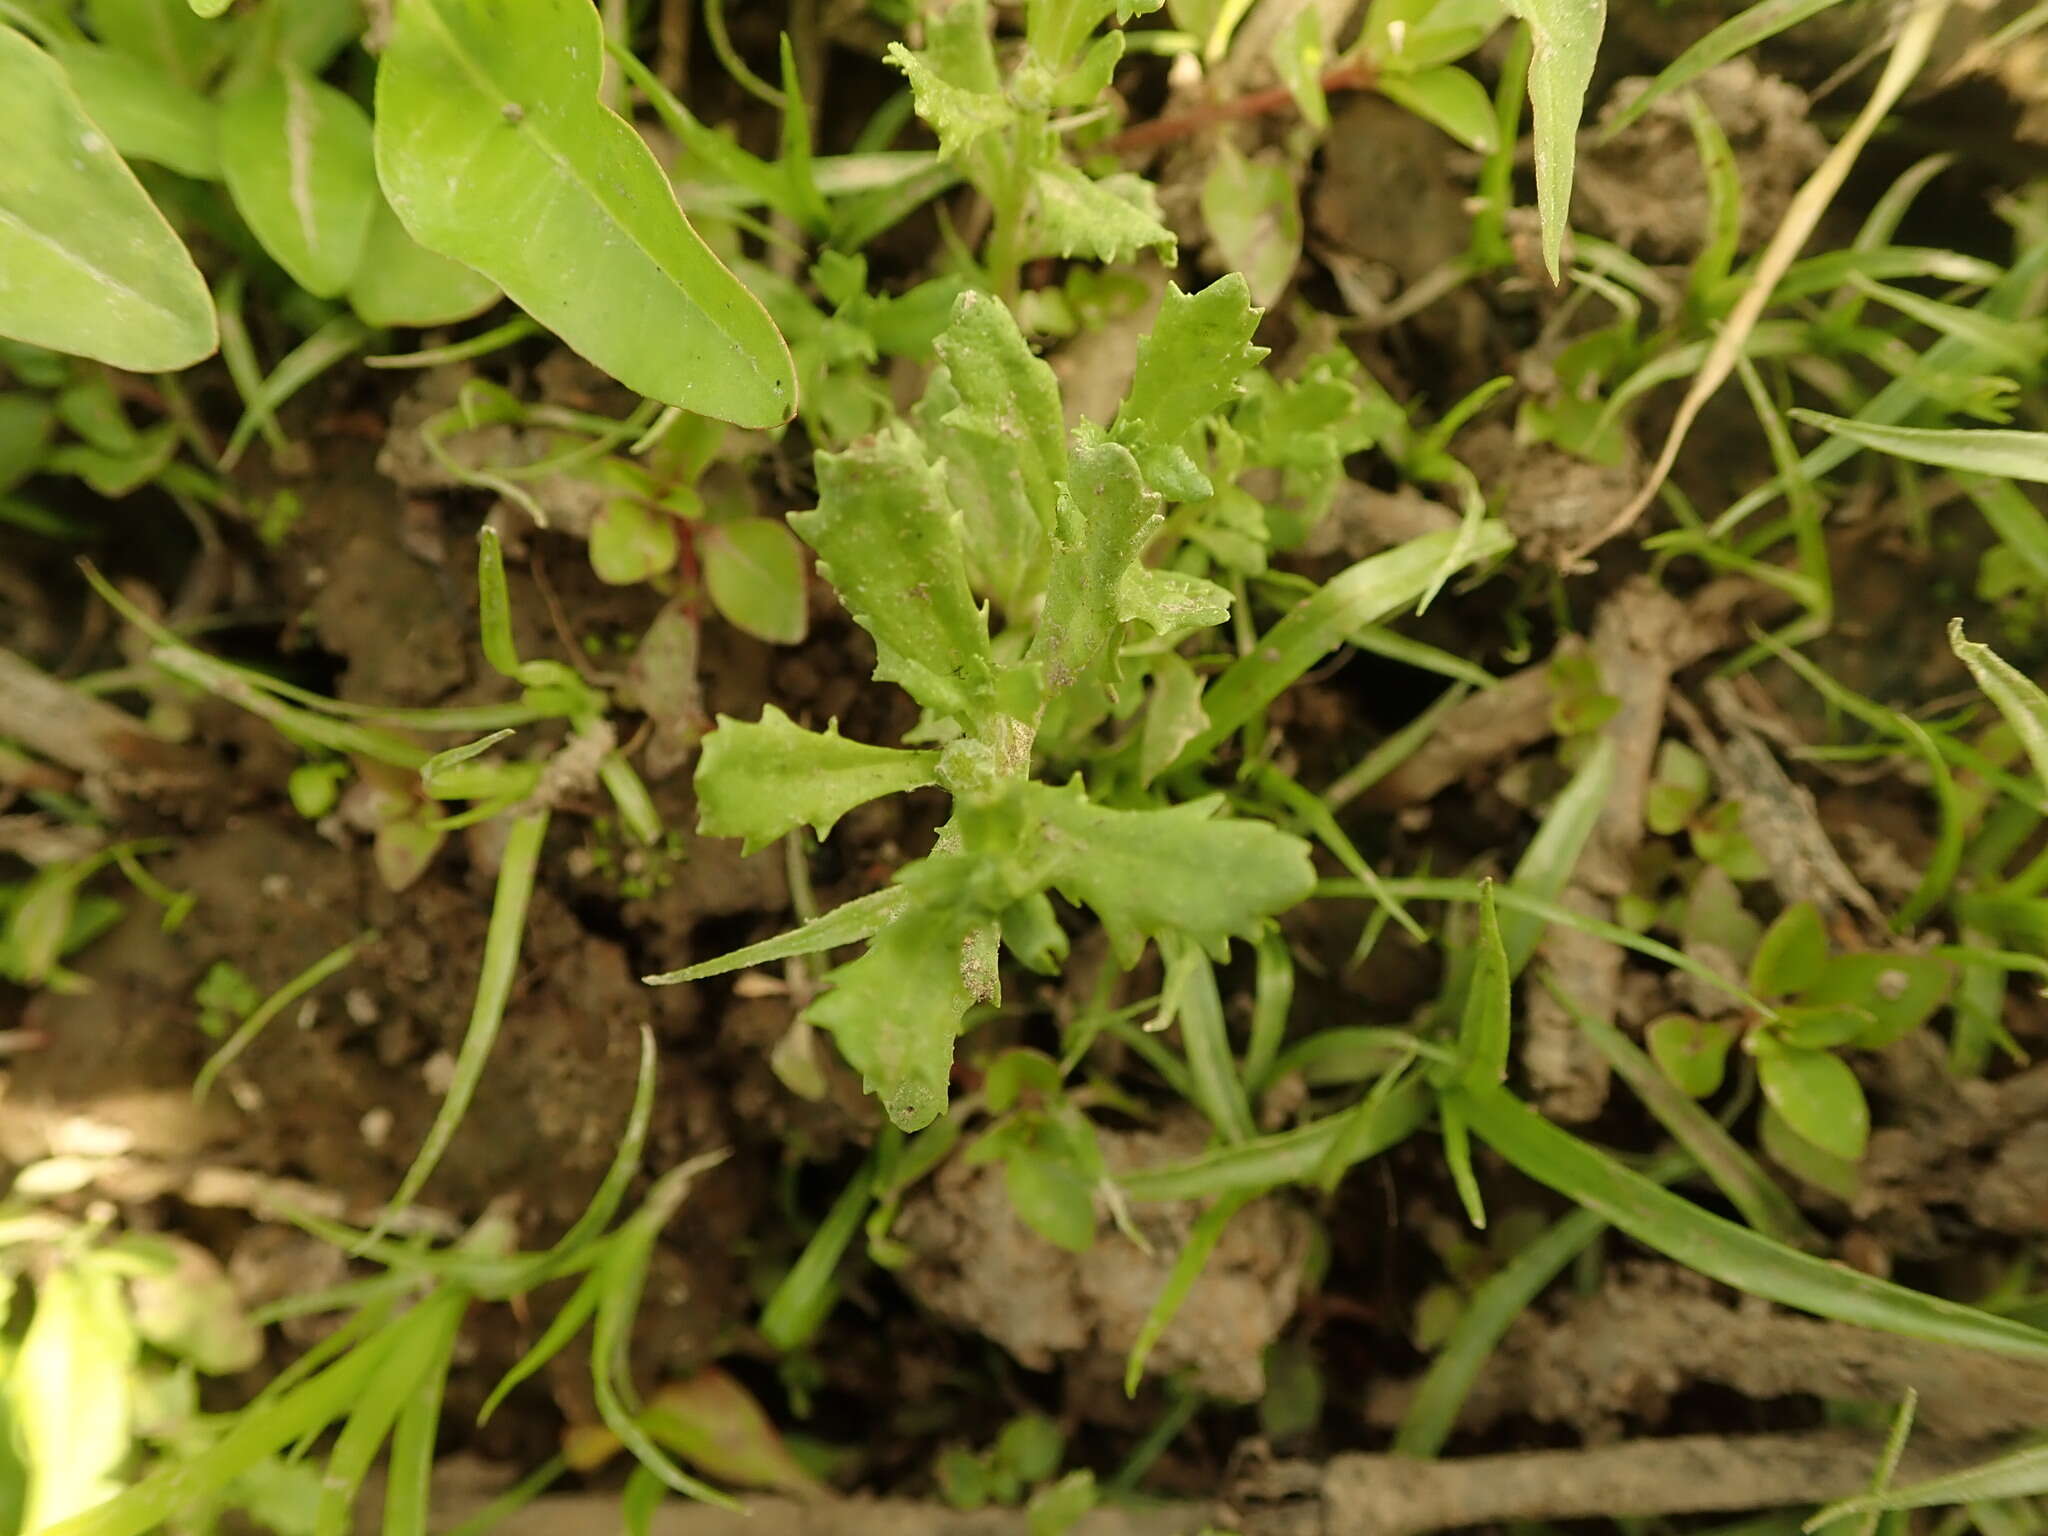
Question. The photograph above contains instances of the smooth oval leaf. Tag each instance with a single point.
(1051, 1197)
(1817, 1095)
(1692, 1053)
(1899, 993)
(495, 151)
(148, 114)
(1792, 955)
(1449, 98)
(91, 267)
(631, 541)
(754, 571)
(296, 155)
(401, 282)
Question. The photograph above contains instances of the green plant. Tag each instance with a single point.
(1079, 518)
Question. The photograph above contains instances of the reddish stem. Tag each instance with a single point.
(1357, 74)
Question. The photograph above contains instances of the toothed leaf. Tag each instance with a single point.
(760, 779)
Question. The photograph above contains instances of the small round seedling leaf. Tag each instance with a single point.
(1897, 993)
(1692, 1053)
(1818, 1096)
(1031, 1446)
(630, 541)
(1803, 1160)
(1051, 1197)
(754, 571)
(1793, 954)
(1821, 1026)
(1678, 788)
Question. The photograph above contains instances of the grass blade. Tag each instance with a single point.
(1433, 1410)
(2017, 696)
(2020, 1475)
(1219, 1090)
(1187, 1269)
(804, 1299)
(1720, 1249)
(1738, 34)
(1287, 1158)
(245, 1035)
(848, 923)
(2008, 455)
(502, 939)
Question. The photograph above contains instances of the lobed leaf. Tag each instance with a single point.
(895, 1012)
(889, 543)
(1114, 219)
(1190, 365)
(760, 779)
(1180, 870)
(495, 151)
(1105, 517)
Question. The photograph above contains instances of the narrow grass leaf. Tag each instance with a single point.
(800, 1304)
(1272, 1001)
(1483, 1026)
(1219, 1090)
(92, 267)
(2006, 454)
(1287, 1158)
(245, 1034)
(417, 1347)
(2022, 1474)
(1723, 1251)
(1457, 1137)
(1752, 1191)
(1433, 1408)
(1737, 35)
(1361, 595)
(561, 1328)
(502, 939)
(850, 922)
(2017, 696)
(1187, 1269)
(481, 108)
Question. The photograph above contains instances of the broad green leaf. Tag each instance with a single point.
(1691, 1053)
(1254, 216)
(401, 282)
(1299, 55)
(147, 113)
(1180, 870)
(1405, 36)
(632, 541)
(1738, 34)
(889, 543)
(168, 37)
(716, 1425)
(1105, 517)
(848, 923)
(1817, 1094)
(1792, 953)
(1191, 364)
(1898, 991)
(754, 572)
(1173, 716)
(70, 1389)
(190, 1309)
(1724, 1251)
(484, 109)
(296, 155)
(2017, 696)
(895, 1012)
(1170, 601)
(1111, 220)
(760, 779)
(209, 8)
(2008, 455)
(91, 266)
(1567, 36)
(1803, 1160)
(1449, 98)
(1364, 594)
(1052, 1196)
